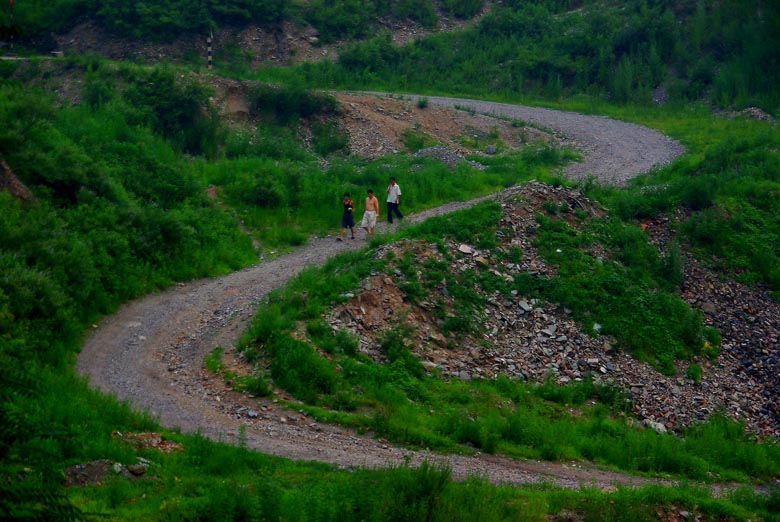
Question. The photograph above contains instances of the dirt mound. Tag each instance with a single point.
(535, 341)
(378, 125)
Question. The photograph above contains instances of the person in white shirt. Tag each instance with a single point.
(393, 199)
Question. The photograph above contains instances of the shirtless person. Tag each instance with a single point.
(371, 214)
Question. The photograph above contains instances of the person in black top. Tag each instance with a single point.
(348, 217)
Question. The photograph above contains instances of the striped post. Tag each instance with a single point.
(208, 40)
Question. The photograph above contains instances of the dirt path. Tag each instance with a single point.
(614, 151)
(151, 351)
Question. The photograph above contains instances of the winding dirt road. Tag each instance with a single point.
(150, 353)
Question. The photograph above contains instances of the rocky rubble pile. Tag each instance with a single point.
(446, 155)
(531, 340)
(376, 126)
(749, 322)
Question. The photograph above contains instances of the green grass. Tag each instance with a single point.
(727, 183)
(203, 481)
(283, 202)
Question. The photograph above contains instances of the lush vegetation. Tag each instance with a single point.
(157, 20)
(141, 185)
(116, 213)
(634, 52)
(728, 187)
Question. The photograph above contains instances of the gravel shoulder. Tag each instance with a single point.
(150, 352)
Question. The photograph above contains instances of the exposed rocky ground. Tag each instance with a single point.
(532, 340)
(293, 42)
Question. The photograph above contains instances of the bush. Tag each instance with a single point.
(415, 140)
(290, 103)
(694, 373)
(163, 21)
(393, 343)
(327, 139)
(299, 369)
(463, 9)
(176, 108)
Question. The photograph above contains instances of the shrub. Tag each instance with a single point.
(393, 344)
(299, 369)
(290, 103)
(257, 385)
(694, 373)
(176, 108)
(672, 265)
(163, 21)
(327, 139)
(415, 140)
(463, 9)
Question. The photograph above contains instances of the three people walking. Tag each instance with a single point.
(371, 212)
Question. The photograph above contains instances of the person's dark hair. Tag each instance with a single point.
(392, 178)
(346, 194)
(370, 191)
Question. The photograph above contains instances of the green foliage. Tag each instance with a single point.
(672, 265)
(118, 212)
(279, 195)
(463, 9)
(399, 400)
(356, 19)
(163, 21)
(694, 373)
(46, 418)
(323, 336)
(731, 193)
(288, 104)
(115, 213)
(415, 140)
(622, 51)
(37, 17)
(327, 139)
(399, 353)
(176, 108)
(299, 369)
(213, 361)
(653, 323)
(20, 503)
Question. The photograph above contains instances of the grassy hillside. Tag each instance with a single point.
(119, 206)
(637, 52)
